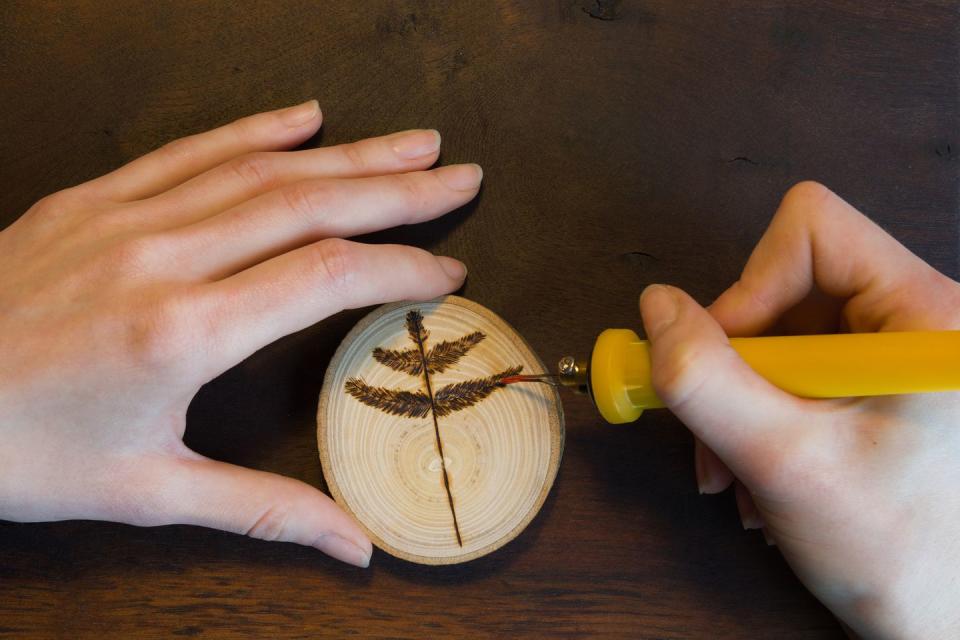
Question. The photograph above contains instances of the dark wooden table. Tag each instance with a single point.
(624, 143)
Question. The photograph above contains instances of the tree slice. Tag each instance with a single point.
(395, 384)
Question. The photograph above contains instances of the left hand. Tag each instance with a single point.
(119, 298)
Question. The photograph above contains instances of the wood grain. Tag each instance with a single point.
(453, 486)
(652, 147)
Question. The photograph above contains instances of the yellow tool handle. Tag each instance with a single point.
(823, 366)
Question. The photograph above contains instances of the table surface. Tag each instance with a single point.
(624, 143)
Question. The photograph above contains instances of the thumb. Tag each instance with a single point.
(207, 493)
(699, 376)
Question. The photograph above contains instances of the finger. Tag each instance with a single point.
(768, 538)
(253, 174)
(818, 239)
(712, 475)
(309, 211)
(182, 159)
(288, 293)
(747, 421)
(816, 313)
(750, 516)
(262, 505)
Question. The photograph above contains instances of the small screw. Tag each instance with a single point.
(573, 374)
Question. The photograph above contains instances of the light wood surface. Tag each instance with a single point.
(381, 414)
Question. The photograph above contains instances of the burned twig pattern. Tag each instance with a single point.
(416, 404)
(407, 361)
(449, 399)
(441, 356)
(406, 404)
(445, 354)
(461, 395)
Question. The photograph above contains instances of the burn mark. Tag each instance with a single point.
(449, 399)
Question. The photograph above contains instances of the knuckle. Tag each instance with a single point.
(245, 129)
(180, 150)
(334, 263)
(47, 205)
(414, 191)
(303, 198)
(753, 291)
(355, 158)
(137, 255)
(271, 525)
(255, 170)
(55, 205)
(159, 334)
(805, 200)
(72, 197)
(808, 191)
(422, 263)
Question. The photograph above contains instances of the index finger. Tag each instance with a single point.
(818, 240)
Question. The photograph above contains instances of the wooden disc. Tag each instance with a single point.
(381, 412)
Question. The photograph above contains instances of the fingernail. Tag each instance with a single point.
(342, 549)
(768, 538)
(752, 521)
(417, 143)
(658, 306)
(453, 267)
(460, 177)
(700, 469)
(300, 114)
(708, 482)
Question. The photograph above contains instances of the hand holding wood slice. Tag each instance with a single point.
(422, 445)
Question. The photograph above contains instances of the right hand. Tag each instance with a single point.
(860, 495)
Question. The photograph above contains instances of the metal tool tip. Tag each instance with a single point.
(545, 378)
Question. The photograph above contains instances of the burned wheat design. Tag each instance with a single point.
(419, 361)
